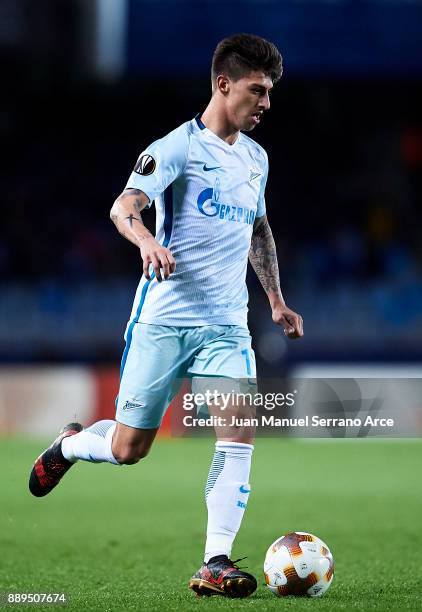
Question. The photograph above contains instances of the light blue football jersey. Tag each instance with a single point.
(207, 195)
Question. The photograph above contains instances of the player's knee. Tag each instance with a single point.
(125, 457)
(130, 455)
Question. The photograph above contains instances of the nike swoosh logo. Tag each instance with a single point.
(243, 490)
(207, 169)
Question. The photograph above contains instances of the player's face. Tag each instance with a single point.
(247, 100)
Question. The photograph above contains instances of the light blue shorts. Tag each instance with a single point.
(157, 358)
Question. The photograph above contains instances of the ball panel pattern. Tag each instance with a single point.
(296, 585)
(298, 564)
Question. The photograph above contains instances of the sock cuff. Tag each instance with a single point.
(109, 438)
(100, 428)
(234, 448)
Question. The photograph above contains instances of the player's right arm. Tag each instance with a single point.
(126, 216)
(157, 167)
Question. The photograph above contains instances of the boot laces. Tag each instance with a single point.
(236, 561)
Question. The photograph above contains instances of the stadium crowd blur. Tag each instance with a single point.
(344, 201)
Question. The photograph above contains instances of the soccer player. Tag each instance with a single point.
(189, 316)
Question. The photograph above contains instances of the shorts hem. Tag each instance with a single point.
(199, 323)
(118, 420)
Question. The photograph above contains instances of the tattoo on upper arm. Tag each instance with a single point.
(259, 222)
(130, 191)
(137, 202)
(263, 256)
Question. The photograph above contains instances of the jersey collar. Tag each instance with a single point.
(199, 122)
(201, 125)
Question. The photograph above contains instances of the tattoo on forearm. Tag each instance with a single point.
(117, 217)
(132, 218)
(263, 257)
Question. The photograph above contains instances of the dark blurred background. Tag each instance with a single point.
(87, 84)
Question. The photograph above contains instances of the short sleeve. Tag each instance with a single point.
(261, 209)
(160, 163)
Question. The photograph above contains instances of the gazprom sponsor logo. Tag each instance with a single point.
(210, 206)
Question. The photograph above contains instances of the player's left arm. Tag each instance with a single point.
(263, 258)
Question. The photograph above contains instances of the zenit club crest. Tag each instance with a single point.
(145, 165)
(253, 174)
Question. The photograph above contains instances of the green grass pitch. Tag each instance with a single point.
(129, 538)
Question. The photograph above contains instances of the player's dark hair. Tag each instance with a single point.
(240, 54)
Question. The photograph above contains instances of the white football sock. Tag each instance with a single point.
(226, 494)
(92, 444)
